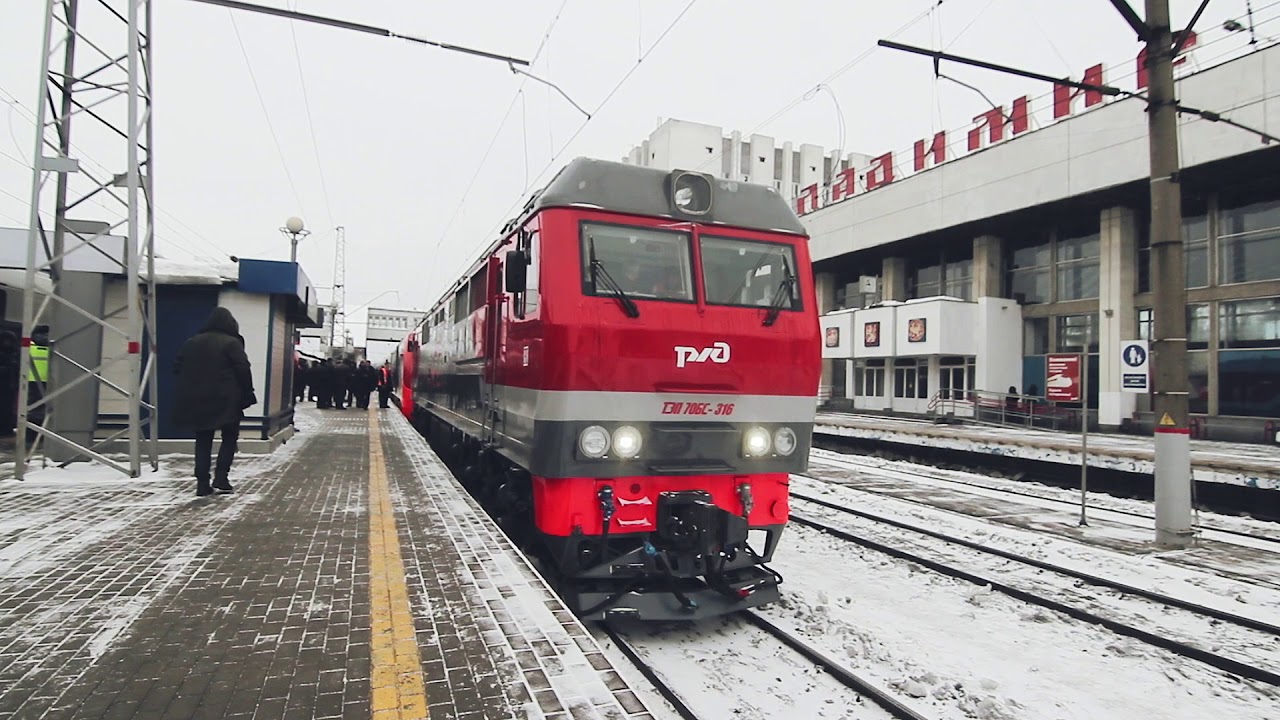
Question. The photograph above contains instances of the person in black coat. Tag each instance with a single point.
(343, 374)
(215, 385)
(366, 381)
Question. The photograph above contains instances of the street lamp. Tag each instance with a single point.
(295, 231)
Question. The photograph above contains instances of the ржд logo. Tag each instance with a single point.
(717, 353)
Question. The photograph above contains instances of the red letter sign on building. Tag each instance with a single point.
(1062, 378)
(937, 148)
(994, 121)
(881, 171)
(844, 185)
(809, 194)
(1063, 95)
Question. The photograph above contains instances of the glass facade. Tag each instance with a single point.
(1059, 264)
(934, 275)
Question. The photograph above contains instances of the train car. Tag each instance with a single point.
(404, 365)
(626, 379)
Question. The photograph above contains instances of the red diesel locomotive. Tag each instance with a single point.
(625, 380)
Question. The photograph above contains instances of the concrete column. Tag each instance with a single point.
(893, 279)
(74, 414)
(824, 285)
(1117, 282)
(825, 288)
(988, 266)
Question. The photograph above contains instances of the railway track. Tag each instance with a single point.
(883, 698)
(1240, 668)
(650, 674)
(841, 460)
(878, 695)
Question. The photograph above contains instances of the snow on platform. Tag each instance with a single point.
(1256, 466)
(128, 597)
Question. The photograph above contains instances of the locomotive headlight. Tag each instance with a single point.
(626, 442)
(594, 442)
(690, 192)
(784, 441)
(755, 442)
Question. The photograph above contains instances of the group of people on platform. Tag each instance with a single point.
(339, 384)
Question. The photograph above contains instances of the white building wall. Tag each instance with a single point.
(789, 188)
(999, 345)
(761, 170)
(811, 165)
(253, 312)
(1102, 148)
(111, 402)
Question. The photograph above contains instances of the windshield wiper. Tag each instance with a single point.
(599, 273)
(789, 284)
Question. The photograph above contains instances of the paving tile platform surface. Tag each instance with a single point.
(132, 598)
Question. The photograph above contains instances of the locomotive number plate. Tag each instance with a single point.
(697, 408)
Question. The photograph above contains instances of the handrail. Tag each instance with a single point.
(1002, 409)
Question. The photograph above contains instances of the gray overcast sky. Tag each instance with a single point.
(402, 128)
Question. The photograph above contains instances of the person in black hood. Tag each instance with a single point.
(215, 385)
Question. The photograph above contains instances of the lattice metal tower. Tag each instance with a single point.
(95, 78)
(338, 329)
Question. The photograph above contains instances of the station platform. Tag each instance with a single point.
(348, 576)
(1253, 466)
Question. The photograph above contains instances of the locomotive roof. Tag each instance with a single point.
(624, 188)
(620, 187)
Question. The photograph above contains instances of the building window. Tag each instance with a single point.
(1028, 272)
(1078, 267)
(1249, 353)
(956, 376)
(959, 279)
(1035, 336)
(911, 378)
(952, 277)
(1249, 239)
(926, 282)
(1195, 235)
(868, 379)
(1077, 333)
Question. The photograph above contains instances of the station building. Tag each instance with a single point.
(959, 264)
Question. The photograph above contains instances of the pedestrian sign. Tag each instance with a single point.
(1135, 371)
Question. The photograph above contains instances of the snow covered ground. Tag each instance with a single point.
(727, 668)
(1255, 560)
(953, 650)
(968, 652)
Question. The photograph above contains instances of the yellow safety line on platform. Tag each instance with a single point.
(397, 686)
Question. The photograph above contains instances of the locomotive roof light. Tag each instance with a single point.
(784, 441)
(594, 441)
(626, 442)
(691, 192)
(756, 442)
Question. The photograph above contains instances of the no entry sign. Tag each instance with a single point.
(1062, 378)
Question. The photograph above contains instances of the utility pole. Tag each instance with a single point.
(95, 75)
(339, 288)
(1169, 342)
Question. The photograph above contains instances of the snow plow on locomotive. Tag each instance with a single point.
(626, 380)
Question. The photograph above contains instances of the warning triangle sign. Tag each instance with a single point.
(1166, 420)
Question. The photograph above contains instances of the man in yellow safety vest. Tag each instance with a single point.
(38, 374)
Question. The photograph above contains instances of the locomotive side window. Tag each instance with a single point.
(527, 302)
(749, 273)
(646, 264)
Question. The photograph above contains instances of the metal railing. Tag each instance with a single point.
(1003, 409)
